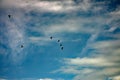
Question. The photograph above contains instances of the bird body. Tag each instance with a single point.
(9, 15)
(58, 40)
(51, 37)
(21, 46)
(61, 48)
(60, 44)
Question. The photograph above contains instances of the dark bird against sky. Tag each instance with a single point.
(58, 40)
(9, 16)
(22, 46)
(60, 44)
(61, 48)
(51, 37)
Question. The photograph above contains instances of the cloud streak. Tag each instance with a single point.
(104, 61)
(52, 6)
(61, 18)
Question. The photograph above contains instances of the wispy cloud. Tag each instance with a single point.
(54, 6)
(103, 62)
(14, 37)
(115, 77)
(69, 24)
(42, 40)
(2, 79)
(46, 79)
(37, 79)
(50, 79)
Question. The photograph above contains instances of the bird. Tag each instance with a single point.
(9, 15)
(58, 40)
(51, 37)
(60, 44)
(21, 46)
(61, 48)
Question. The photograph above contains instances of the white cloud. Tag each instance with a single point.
(45, 40)
(39, 79)
(53, 6)
(42, 40)
(72, 25)
(115, 77)
(116, 12)
(2, 79)
(46, 79)
(104, 61)
(89, 42)
(50, 79)
(15, 37)
(65, 6)
(89, 61)
(109, 44)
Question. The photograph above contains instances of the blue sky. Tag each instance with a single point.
(88, 29)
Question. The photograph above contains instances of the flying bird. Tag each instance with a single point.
(61, 48)
(60, 44)
(51, 37)
(21, 46)
(58, 40)
(9, 15)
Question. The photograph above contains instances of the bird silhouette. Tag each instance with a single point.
(9, 15)
(51, 37)
(61, 48)
(58, 40)
(21, 46)
(60, 44)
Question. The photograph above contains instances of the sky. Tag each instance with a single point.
(89, 31)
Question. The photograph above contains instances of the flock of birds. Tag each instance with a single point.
(61, 46)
